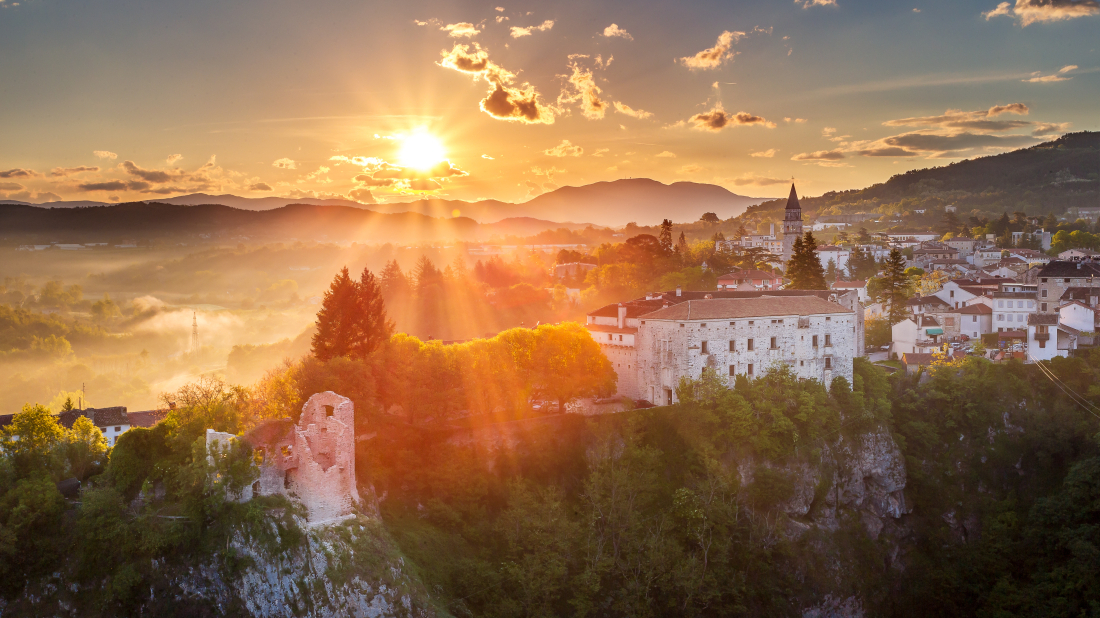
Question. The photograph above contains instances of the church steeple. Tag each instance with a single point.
(793, 211)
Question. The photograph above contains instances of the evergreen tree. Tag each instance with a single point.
(394, 283)
(804, 268)
(337, 321)
(741, 230)
(796, 265)
(895, 291)
(666, 236)
(682, 245)
(374, 327)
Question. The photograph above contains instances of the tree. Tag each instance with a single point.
(105, 309)
(337, 322)
(741, 230)
(831, 272)
(864, 237)
(895, 286)
(85, 445)
(666, 236)
(567, 363)
(709, 217)
(32, 438)
(804, 268)
(374, 327)
(682, 246)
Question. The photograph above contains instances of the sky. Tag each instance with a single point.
(119, 100)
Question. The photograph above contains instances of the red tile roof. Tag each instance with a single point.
(729, 308)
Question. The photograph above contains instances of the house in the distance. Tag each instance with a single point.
(917, 333)
(750, 279)
(860, 288)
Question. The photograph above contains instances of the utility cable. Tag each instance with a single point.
(1078, 399)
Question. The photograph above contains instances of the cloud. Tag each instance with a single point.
(714, 57)
(666, 154)
(615, 31)
(827, 131)
(1028, 12)
(586, 92)
(11, 186)
(564, 149)
(111, 185)
(935, 143)
(767, 154)
(259, 186)
(885, 152)
(533, 189)
(1060, 76)
(718, 119)
(154, 176)
(443, 169)
(819, 155)
(546, 173)
(690, 168)
(173, 158)
(363, 196)
(623, 108)
(285, 164)
(504, 101)
(18, 173)
(500, 9)
(808, 3)
(370, 181)
(600, 152)
(461, 29)
(105, 154)
(424, 184)
(978, 120)
(760, 181)
(518, 32)
(68, 171)
(1050, 128)
(485, 156)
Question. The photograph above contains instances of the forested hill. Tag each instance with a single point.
(145, 221)
(1047, 178)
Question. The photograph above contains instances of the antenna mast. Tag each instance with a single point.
(194, 332)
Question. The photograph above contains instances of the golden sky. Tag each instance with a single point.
(381, 102)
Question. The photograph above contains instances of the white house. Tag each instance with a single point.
(1047, 337)
(973, 320)
(838, 255)
(956, 293)
(1010, 309)
(860, 288)
(917, 333)
(986, 256)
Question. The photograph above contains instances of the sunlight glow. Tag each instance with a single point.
(420, 151)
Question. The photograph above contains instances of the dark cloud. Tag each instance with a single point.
(18, 173)
(977, 120)
(11, 186)
(820, 155)
(259, 186)
(114, 185)
(363, 196)
(370, 181)
(884, 152)
(154, 176)
(929, 142)
(68, 171)
(718, 119)
(504, 101)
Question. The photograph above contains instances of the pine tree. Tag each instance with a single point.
(395, 285)
(815, 273)
(796, 265)
(666, 236)
(895, 286)
(374, 327)
(337, 321)
(741, 231)
(682, 245)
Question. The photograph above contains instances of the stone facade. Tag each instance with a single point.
(653, 342)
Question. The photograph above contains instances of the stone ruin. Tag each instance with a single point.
(313, 461)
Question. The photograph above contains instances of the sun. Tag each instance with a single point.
(420, 151)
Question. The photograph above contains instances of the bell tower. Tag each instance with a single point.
(792, 223)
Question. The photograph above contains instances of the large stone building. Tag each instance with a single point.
(654, 341)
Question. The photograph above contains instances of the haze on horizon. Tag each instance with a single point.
(376, 102)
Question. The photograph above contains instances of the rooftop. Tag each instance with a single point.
(1062, 268)
(764, 306)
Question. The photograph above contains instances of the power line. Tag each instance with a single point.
(1078, 399)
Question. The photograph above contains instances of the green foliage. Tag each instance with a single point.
(804, 268)
(352, 321)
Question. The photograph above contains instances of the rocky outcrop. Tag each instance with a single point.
(349, 569)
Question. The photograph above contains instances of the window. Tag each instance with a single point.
(1043, 306)
(1044, 279)
(750, 347)
(703, 347)
(117, 429)
(751, 322)
(1000, 317)
(828, 340)
(732, 370)
(681, 326)
(815, 341)
(1043, 293)
(973, 318)
(1066, 280)
(1019, 317)
(1000, 305)
(750, 369)
(703, 325)
(1030, 304)
(952, 295)
(329, 410)
(773, 344)
(731, 323)
(828, 363)
(1019, 304)
(828, 319)
(609, 336)
(731, 347)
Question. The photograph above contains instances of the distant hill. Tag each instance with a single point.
(613, 203)
(1046, 178)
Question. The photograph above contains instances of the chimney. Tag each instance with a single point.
(773, 230)
(622, 315)
(677, 290)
